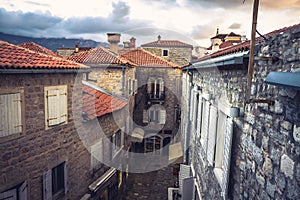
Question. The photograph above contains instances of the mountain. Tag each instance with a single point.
(51, 43)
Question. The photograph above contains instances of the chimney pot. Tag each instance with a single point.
(113, 40)
(76, 47)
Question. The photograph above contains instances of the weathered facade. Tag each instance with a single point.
(171, 50)
(236, 149)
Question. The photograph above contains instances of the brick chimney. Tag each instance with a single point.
(158, 39)
(132, 42)
(113, 40)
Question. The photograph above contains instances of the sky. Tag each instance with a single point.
(190, 21)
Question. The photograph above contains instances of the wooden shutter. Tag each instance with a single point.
(145, 116)
(161, 89)
(149, 86)
(191, 105)
(10, 114)
(185, 172)
(135, 86)
(227, 156)
(47, 185)
(162, 116)
(9, 195)
(220, 139)
(53, 107)
(205, 124)
(23, 191)
(63, 104)
(188, 188)
(212, 134)
(199, 118)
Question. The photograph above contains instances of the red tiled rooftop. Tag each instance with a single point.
(246, 45)
(16, 57)
(98, 55)
(37, 48)
(97, 103)
(146, 59)
(167, 43)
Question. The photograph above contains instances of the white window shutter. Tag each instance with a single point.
(14, 109)
(162, 116)
(205, 124)
(191, 105)
(185, 172)
(63, 105)
(47, 185)
(161, 89)
(135, 86)
(3, 116)
(227, 156)
(65, 177)
(9, 195)
(53, 107)
(23, 191)
(220, 139)
(212, 134)
(145, 116)
(198, 131)
(149, 85)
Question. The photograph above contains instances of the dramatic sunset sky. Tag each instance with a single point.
(192, 21)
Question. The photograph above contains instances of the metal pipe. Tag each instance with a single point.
(251, 56)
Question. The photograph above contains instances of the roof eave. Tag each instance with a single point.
(284, 79)
(43, 71)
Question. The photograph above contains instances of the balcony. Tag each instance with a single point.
(156, 97)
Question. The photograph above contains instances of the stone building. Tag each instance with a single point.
(45, 153)
(157, 100)
(171, 50)
(237, 149)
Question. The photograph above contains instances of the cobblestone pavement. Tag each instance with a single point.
(151, 185)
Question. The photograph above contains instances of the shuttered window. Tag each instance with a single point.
(55, 182)
(223, 150)
(155, 87)
(162, 116)
(96, 155)
(205, 124)
(212, 130)
(10, 114)
(56, 105)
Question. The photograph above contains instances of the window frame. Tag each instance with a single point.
(165, 52)
(46, 97)
(20, 91)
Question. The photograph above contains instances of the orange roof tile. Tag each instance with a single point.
(246, 45)
(97, 103)
(16, 57)
(98, 55)
(37, 48)
(147, 59)
(167, 43)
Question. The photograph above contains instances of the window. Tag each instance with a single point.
(165, 52)
(55, 182)
(16, 193)
(96, 156)
(155, 88)
(56, 105)
(132, 86)
(10, 114)
(117, 142)
(155, 114)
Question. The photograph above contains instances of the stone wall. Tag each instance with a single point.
(180, 56)
(110, 79)
(266, 147)
(28, 155)
(172, 93)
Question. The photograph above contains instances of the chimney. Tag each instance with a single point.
(113, 40)
(217, 31)
(126, 44)
(132, 42)
(158, 39)
(243, 38)
(76, 47)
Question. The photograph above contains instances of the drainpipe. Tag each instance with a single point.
(251, 56)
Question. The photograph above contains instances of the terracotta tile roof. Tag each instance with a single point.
(144, 58)
(98, 55)
(246, 45)
(37, 48)
(220, 36)
(16, 57)
(97, 103)
(167, 43)
(229, 43)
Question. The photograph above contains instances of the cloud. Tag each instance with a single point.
(120, 11)
(18, 22)
(200, 32)
(235, 26)
(37, 3)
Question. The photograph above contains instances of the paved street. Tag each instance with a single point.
(151, 185)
